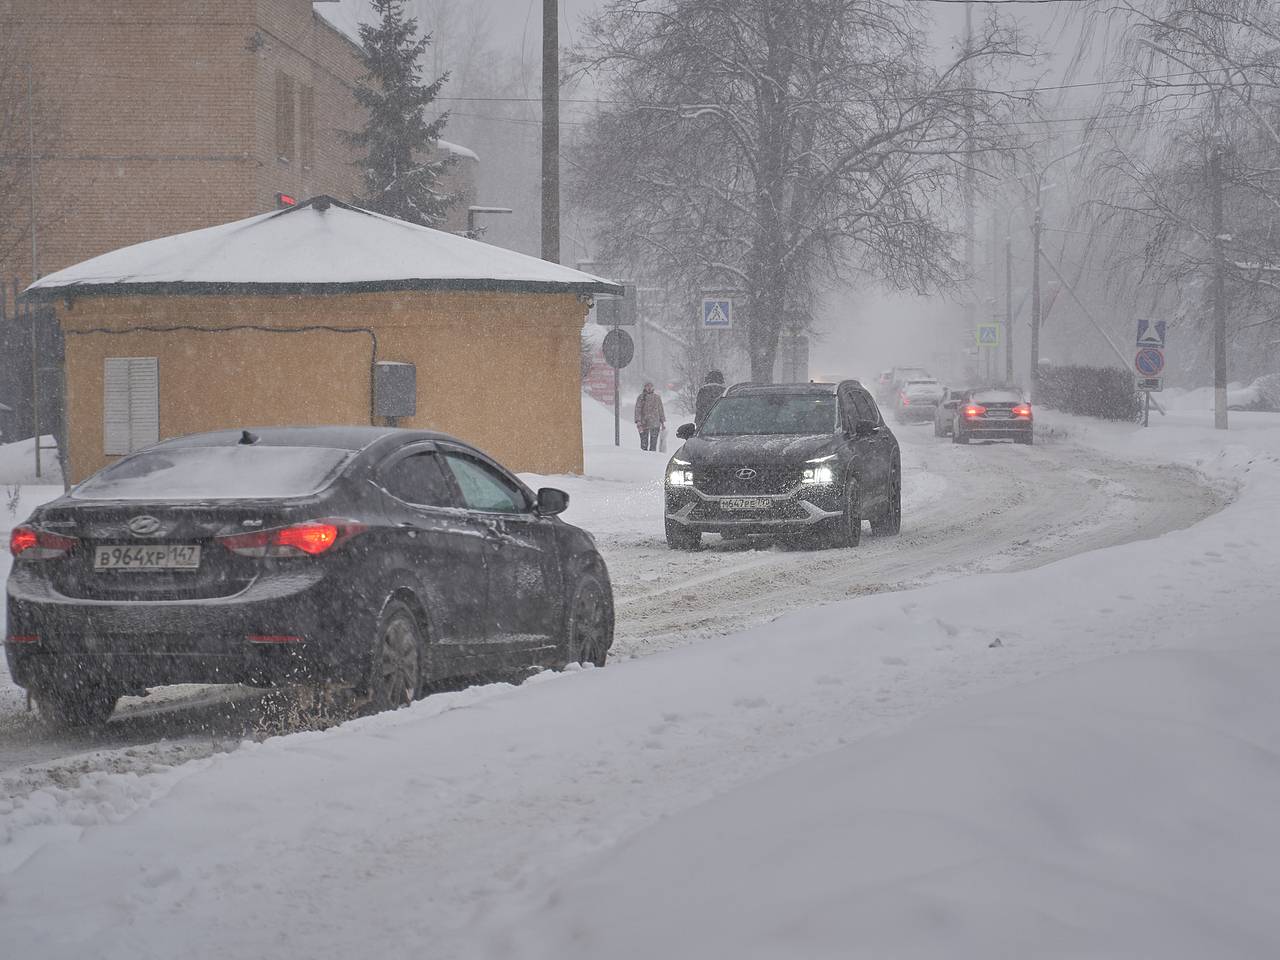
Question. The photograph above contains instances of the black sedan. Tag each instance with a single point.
(382, 558)
(992, 413)
(809, 461)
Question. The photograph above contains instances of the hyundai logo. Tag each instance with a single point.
(144, 526)
(746, 473)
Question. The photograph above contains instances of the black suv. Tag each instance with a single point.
(799, 459)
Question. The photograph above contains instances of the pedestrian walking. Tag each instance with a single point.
(711, 391)
(650, 417)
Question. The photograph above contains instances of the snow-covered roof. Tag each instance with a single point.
(343, 17)
(322, 245)
(457, 150)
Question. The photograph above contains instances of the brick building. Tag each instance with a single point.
(164, 116)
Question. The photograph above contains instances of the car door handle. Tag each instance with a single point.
(409, 527)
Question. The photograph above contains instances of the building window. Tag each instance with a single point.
(307, 126)
(284, 116)
(130, 403)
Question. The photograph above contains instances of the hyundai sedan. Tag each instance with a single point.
(382, 558)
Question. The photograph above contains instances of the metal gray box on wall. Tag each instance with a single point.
(395, 389)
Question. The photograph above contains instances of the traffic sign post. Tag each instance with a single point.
(1150, 333)
(1149, 363)
(988, 335)
(717, 313)
(618, 349)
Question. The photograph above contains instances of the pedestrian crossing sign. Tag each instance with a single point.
(988, 335)
(717, 313)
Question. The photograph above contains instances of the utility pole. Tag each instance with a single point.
(1036, 225)
(1219, 274)
(35, 266)
(1008, 306)
(550, 131)
(970, 313)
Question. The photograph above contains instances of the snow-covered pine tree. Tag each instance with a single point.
(401, 168)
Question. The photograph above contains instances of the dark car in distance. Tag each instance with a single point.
(383, 558)
(801, 460)
(992, 413)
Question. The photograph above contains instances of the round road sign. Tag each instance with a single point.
(1149, 362)
(619, 348)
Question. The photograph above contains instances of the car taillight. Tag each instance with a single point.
(300, 539)
(906, 401)
(1022, 410)
(974, 410)
(30, 543)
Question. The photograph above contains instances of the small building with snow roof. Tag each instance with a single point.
(289, 318)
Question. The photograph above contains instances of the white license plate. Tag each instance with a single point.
(999, 415)
(156, 556)
(744, 503)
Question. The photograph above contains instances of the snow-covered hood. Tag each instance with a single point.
(766, 450)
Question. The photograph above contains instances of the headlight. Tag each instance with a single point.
(822, 474)
(680, 477)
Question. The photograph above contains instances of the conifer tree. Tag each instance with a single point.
(401, 166)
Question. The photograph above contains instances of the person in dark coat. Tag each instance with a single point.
(708, 394)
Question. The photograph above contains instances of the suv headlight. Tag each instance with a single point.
(822, 474)
(680, 473)
(819, 471)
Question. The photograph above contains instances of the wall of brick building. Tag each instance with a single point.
(166, 112)
(499, 370)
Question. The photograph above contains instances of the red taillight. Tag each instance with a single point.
(1022, 410)
(906, 401)
(30, 543)
(23, 638)
(274, 638)
(974, 410)
(300, 539)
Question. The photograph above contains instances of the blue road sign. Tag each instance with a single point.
(1151, 333)
(1149, 362)
(988, 335)
(717, 313)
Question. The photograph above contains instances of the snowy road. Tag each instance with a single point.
(967, 509)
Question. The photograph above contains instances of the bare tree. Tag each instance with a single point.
(764, 145)
(1193, 174)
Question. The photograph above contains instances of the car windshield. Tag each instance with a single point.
(997, 396)
(772, 413)
(216, 473)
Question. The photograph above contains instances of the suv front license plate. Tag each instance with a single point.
(745, 503)
(160, 556)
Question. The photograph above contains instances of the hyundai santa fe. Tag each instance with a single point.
(383, 558)
(805, 461)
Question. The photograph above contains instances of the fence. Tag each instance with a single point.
(1104, 392)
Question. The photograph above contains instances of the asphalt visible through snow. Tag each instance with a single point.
(981, 508)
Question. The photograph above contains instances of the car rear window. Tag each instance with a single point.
(771, 413)
(997, 396)
(923, 386)
(216, 473)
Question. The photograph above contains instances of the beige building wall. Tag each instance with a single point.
(165, 117)
(499, 370)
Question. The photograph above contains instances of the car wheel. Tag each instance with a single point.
(590, 626)
(1029, 439)
(891, 524)
(959, 436)
(937, 428)
(680, 537)
(86, 705)
(848, 529)
(397, 669)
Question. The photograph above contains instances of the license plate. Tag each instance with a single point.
(999, 415)
(744, 503)
(158, 556)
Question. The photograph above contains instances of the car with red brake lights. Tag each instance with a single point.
(992, 413)
(383, 558)
(917, 399)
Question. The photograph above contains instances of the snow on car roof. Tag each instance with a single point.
(322, 245)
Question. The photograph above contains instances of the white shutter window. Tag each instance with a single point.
(130, 404)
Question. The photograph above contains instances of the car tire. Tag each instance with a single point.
(1029, 439)
(959, 436)
(937, 428)
(680, 537)
(395, 679)
(84, 706)
(590, 625)
(890, 525)
(848, 529)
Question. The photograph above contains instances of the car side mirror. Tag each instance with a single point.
(552, 502)
(865, 428)
(685, 431)
(951, 404)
